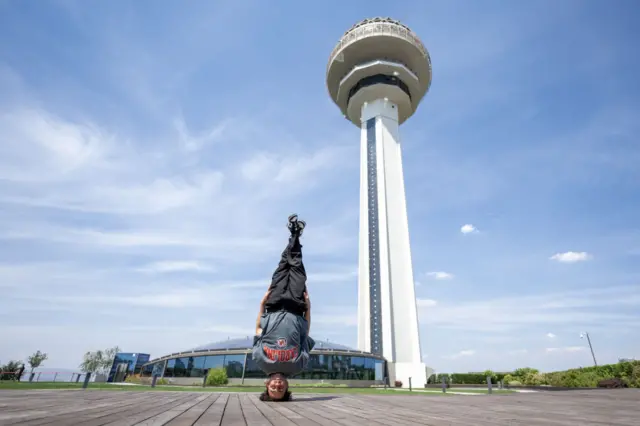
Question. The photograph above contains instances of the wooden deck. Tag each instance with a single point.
(124, 408)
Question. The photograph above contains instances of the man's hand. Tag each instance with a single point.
(307, 301)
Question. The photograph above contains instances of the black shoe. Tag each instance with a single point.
(292, 220)
(301, 224)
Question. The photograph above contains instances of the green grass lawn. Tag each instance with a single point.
(105, 386)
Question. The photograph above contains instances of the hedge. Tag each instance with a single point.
(628, 371)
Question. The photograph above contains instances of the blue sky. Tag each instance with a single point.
(150, 153)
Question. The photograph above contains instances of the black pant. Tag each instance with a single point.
(289, 281)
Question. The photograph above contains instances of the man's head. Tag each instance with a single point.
(277, 388)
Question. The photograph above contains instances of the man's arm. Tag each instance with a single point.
(307, 314)
(263, 302)
(260, 312)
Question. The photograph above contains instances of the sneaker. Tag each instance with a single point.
(292, 223)
(301, 224)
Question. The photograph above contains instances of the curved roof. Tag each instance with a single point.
(247, 343)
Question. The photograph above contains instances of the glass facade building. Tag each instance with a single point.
(126, 364)
(328, 361)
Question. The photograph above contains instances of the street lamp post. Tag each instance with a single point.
(582, 336)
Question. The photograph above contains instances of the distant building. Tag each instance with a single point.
(329, 362)
(126, 364)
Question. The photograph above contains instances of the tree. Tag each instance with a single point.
(7, 369)
(36, 360)
(99, 361)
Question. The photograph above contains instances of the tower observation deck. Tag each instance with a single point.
(377, 75)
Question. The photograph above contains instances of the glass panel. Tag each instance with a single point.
(317, 367)
(147, 370)
(357, 370)
(379, 370)
(213, 361)
(369, 369)
(141, 360)
(196, 366)
(158, 369)
(252, 371)
(180, 368)
(234, 365)
(168, 371)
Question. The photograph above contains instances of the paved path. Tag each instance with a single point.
(128, 408)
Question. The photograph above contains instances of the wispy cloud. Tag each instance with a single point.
(440, 275)
(565, 349)
(571, 257)
(176, 266)
(551, 335)
(426, 303)
(572, 309)
(463, 353)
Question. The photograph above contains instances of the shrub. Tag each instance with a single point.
(398, 384)
(217, 377)
(628, 371)
(6, 370)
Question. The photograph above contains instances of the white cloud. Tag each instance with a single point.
(425, 303)
(440, 275)
(551, 335)
(176, 266)
(468, 229)
(571, 257)
(587, 307)
(463, 353)
(566, 349)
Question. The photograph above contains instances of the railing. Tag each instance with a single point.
(44, 376)
(367, 29)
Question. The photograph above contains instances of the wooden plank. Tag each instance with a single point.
(129, 408)
(168, 415)
(273, 416)
(152, 407)
(325, 418)
(233, 413)
(298, 419)
(213, 415)
(252, 416)
(75, 408)
(189, 417)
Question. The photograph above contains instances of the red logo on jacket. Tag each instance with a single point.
(281, 355)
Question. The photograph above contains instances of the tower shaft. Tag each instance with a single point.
(387, 314)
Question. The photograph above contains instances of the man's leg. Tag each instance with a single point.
(289, 280)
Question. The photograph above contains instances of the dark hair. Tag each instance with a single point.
(264, 396)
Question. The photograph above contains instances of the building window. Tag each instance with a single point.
(214, 361)
(168, 370)
(180, 367)
(234, 365)
(196, 366)
(252, 371)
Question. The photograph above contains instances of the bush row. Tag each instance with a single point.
(574, 378)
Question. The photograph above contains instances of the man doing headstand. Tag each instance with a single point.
(282, 344)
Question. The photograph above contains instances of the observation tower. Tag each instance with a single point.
(377, 75)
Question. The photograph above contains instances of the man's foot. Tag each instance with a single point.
(292, 222)
(296, 226)
(301, 225)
